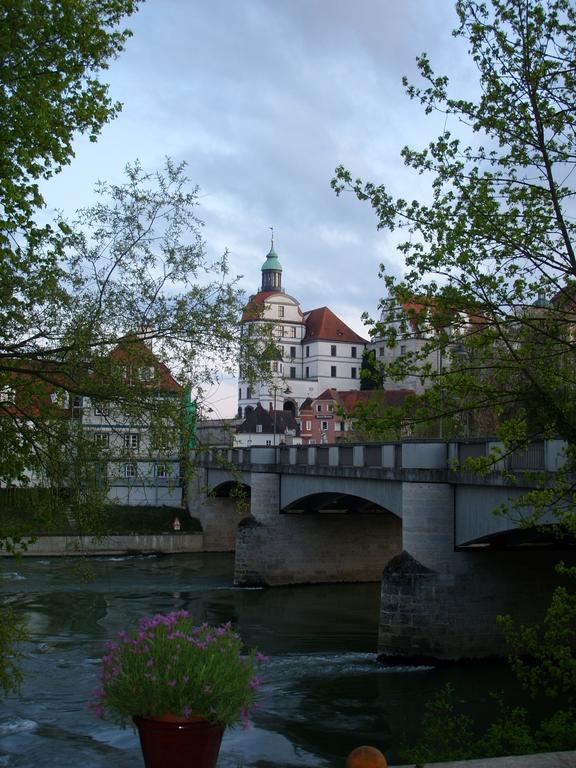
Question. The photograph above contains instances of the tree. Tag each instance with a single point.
(497, 238)
(497, 242)
(81, 301)
(370, 372)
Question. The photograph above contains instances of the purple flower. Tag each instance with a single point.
(255, 683)
(187, 712)
(261, 657)
(172, 683)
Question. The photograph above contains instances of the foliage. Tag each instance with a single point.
(544, 656)
(448, 735)
(168, 666)
(12, 633)
(490, 264)
(26, 512)
(370, 372)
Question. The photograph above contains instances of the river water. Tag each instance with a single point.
(324, 693)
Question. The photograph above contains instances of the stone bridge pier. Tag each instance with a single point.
(274, 548)
(440, 602)
(218, 513)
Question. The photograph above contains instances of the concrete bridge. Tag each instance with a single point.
(396, 512)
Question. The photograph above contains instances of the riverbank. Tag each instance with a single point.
(124, 544)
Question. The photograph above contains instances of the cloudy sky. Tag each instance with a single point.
(263, 99)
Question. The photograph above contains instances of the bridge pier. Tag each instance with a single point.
(218, 516)
(278, 549)
(440, 603)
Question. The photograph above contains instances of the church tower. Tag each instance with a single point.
(272, 272)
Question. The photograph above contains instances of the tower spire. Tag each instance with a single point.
(272, 269)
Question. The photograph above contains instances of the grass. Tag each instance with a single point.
(37, 512)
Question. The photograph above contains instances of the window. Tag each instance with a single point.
(240, 394)
(291, 332)
(258, 427)
(160, 470)
(280, 310)
(337, 426)
(353, 352)
(381, 351)
(102, 409)
(132, 441)
(307, 351)
(130, 470)
(292, 372)
(330, 408)
(308, 426)
(275, 366)
(292, 352)
(146, 373)
(319, 408)
(102, 439)
(278, 330)
(324, 425)
(333, 350)
(333, 371)
(307, 372)
(353, 373)
(268, 442)
(248, 393)
(403, 349)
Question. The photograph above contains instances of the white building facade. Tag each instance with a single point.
(314, 350)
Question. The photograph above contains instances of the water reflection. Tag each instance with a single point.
(324, 692)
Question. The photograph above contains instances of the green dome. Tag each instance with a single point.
(272, 262)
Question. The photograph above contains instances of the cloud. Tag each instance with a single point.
(263, 99)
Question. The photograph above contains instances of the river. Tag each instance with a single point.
(324, 693)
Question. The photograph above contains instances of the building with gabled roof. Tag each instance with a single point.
(329, 418)
(316, 350)
(268, 427)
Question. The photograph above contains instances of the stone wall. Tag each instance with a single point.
(218, 516)
(165, 543)
(300, 549)
(424, 613)
(438, 602)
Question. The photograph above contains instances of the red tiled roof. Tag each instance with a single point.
(323, 324)
(253, 310)
(348, 398)
(415, 306)
(135, 351)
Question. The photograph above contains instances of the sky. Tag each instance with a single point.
(263, 99)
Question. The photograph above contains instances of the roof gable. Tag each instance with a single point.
(323, 324)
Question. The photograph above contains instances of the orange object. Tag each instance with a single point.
(366, 757)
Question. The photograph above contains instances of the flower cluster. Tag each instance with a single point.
(166, 665)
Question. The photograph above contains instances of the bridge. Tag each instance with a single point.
(402, 513)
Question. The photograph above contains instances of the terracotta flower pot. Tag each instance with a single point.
(173, 742)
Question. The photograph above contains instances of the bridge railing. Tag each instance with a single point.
(545, 455)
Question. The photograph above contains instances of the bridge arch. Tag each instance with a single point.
(334, 503)
(370, 493)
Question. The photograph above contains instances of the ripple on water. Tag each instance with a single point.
(13, 576)
(18, 725)
(341, 664)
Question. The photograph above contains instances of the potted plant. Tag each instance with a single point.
(181, 684)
